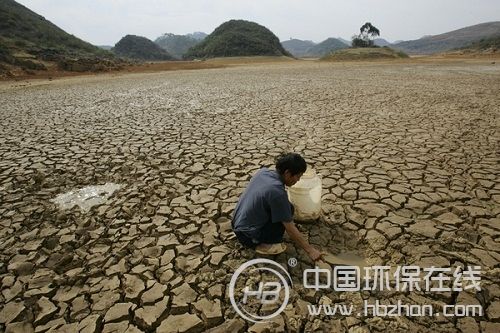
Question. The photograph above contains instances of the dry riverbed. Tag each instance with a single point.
(408, 153)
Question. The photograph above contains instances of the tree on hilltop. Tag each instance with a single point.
(367, 33)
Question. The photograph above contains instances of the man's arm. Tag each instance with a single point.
(297, 237)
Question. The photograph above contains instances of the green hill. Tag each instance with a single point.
(176, 45)
(365, 53)
(28, 41)
(140, 48)
(325, 47)
(450, 40)
(238, 38)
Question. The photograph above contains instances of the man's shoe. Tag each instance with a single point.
(271, 249)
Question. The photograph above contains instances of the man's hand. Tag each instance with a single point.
(314, 254)
(297, 237)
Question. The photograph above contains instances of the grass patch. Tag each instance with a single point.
(365, 53)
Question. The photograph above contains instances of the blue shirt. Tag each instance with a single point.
(264, 201)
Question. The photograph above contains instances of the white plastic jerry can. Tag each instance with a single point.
(305, 196)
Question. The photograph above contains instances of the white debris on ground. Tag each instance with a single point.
(86, 197)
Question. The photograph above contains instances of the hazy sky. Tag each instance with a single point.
(104, 22)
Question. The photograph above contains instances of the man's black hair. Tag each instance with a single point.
(290, 161)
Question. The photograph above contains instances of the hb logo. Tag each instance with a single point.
(266, 292)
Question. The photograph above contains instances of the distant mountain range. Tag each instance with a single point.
(345, 41)
(484, 46)
(298, 48)
(468, 37)
(450, 40)
(177, 45)
(197, 35)
(308, 49)
(381, 42)
(327, 46)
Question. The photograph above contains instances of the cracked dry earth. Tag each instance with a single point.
(408, 155)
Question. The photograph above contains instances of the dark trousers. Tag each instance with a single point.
(271, 233)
